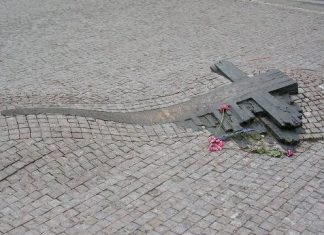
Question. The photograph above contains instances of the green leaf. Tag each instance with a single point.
(275, 153)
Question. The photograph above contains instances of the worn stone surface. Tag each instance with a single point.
(304, 5)
(74, 175)
(91, 185)
(311, 99)
(129, 55)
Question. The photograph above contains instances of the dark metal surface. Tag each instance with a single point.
(264, 95)
(270, 105)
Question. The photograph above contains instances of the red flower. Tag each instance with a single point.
(215, 144)
(289, 153)
(212, 139)
(223, 108)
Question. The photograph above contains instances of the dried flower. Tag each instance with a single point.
(215, 144)
(223, 108)
(289, 153)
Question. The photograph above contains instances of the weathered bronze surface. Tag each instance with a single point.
(266, 107)
(261, 102)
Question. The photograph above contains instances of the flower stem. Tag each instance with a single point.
(220, 124)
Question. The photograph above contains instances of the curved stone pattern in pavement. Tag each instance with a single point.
(311, 100)
(168, 185)
(75, 175)
(59, 126)
(125, 54)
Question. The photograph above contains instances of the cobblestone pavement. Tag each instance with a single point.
(76, 175)
(311, 100)
(145, 180)
(140, 55)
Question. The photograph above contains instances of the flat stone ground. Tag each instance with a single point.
(75, 175)
(312, 5)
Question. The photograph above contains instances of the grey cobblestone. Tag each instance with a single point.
(75, 175)
(311, 100)
(110, 199)
(38, 127)
(73, 61)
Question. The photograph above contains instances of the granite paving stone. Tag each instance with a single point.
(66, 174)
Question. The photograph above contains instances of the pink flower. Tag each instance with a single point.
(212, 139)
(215, 144)
(223, 108)
(289, 153)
